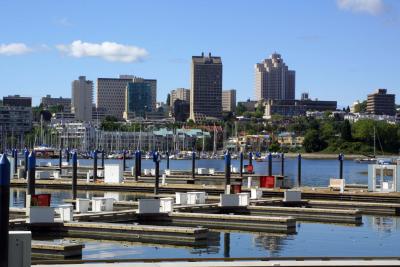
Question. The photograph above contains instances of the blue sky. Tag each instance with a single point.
(341, 49)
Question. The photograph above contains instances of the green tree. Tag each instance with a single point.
(312, 141)
(361, 107)
(345, 131)
(168, 102)
(240, 109)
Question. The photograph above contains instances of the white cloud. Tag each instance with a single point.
(14, 49)
(107, 50)
(373, 7)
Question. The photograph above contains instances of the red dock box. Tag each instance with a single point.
(267, 181)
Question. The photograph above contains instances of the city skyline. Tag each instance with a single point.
(357, 56)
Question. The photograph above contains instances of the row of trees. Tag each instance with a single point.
(330, 135)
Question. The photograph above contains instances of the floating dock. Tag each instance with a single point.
(59, 250)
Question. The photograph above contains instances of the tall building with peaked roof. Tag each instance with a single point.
(274, 80)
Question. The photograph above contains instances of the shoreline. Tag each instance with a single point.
(332, 156)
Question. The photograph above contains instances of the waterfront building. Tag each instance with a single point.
(78, 135)
(17, 101)
(15, 121)
(206, 88)
(138, 99)
(274, 80)
(64, 103)
(290, 140)
(82, 99)
(381, 103)
(179, 93)
(354, 117)
(111, 94)
(296, 107)
(229, 100)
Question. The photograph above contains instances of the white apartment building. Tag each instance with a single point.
(179, 93)
(82, 99)
(229, 100)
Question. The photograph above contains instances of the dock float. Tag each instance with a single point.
(231, 262)
(137, 233)
(348, 216)
(58, 250)
(284, 225)
(370, 208)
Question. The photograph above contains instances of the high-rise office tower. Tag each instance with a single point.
(206, 87)
(138, 99)
(179, 93)
(82, 99)
(111, 94)
(274, 80)
(229, 100)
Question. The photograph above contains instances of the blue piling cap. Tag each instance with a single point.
(156, 157)
(26, 152)
(74, 157)
(299, 155)
(32, 160)
(4, 170)
(95, 153)
(250, 154)
(227, 157)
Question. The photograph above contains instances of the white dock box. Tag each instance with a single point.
(149, 206)
(40, 214)
(202, 171)
(166, 204)
(256, 193)
(42, 175)
(82, 205)
(56, 175)
(19, 248)
(20, 172)
(167, 172)
(147, 172)
(180, 198)
(114, 195)
(243, 199)
(113, 173)
(229, 200)
(211, 171)
(66, 212)
(153, 172)
(196, 198)
(100, 204)
(64, 164)
(292, 196)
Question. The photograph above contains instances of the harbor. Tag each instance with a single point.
(197, 212)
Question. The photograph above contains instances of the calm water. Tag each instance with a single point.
(377, 236)
(314, 172)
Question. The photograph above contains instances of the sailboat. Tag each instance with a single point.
(369, 159)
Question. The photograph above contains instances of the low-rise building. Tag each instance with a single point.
(296, 107)
(64, 103)
(17, 101)
(290, 139)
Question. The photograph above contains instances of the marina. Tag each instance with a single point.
(267, 215)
